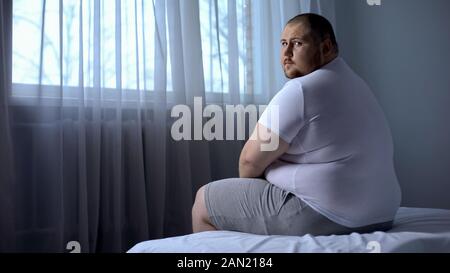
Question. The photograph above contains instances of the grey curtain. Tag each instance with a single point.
(7, 238)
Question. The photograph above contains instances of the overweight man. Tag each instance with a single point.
(333, 170)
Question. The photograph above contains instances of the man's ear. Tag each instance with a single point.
(327, 47)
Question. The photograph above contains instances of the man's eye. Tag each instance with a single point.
(297, 43)
(283, 44)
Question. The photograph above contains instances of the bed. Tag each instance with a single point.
(415, 230)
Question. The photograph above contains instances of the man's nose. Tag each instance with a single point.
(288, 51)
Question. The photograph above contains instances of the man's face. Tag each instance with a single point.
(300, 53)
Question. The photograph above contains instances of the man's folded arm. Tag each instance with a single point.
(255, 156)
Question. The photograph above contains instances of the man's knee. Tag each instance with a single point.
(200, 215)
(199, 207)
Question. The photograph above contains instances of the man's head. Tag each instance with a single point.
(307, 43)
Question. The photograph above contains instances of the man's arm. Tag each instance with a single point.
(253, 160)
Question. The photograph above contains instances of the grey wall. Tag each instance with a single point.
(402, 49)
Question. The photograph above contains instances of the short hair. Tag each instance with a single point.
(319, 26)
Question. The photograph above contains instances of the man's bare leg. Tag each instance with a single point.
(200, 217)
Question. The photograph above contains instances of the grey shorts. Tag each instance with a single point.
(256, 206)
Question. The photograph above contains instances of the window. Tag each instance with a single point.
(40, 21)
(49, 36)
(215, 23)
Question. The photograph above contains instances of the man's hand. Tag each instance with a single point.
(254, 159)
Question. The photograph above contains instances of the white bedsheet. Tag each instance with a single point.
(415, 230)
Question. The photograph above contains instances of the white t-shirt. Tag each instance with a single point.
(340, 159)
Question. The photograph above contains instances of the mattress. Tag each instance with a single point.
(420, 230)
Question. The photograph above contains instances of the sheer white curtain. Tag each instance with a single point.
(86, 120)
